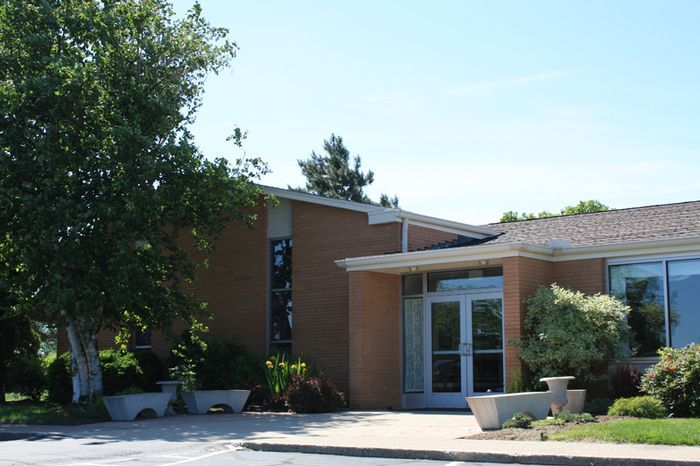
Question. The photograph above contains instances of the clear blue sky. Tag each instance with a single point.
(468, 109)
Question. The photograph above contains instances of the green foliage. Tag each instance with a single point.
(597, 406)
(25, 375)
(58, 379)
(583, 207)
(638, 406)
(515, 383)
(214, 364)
(519, 421)
(19, 342)
(332, 176)
(103, 191)
(279, 372)
(152, 368)
(568, 416)
(313, 395)
(569, 333)
(120, 370)
(651, 431)
(130, 391)
(53, 414)
(675, 380)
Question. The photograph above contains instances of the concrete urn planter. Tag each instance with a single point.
(577, 398)
(200, 401)
(491, 411)
(127, 407)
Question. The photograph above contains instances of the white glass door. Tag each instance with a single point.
(445, 368)
(464, 350)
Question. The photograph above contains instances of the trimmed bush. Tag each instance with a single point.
(598, 406)
(120, 371)
(570, 333)
(519, 421)
(675, 380)
(578, 418)
(638, 406)
(313, 395)
(152, 368)
(58, 379)
(25, 375)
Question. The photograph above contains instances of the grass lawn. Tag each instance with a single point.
(653, 431)
(22, 412)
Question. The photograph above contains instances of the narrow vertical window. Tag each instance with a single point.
(413, 344)
(281, 295)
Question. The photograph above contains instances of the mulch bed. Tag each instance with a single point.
(533, 433)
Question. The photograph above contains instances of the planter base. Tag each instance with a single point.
(127, 407)
(201, 401)
(491, 411)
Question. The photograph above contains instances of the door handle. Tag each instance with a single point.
(465, 349)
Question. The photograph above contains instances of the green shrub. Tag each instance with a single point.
(675, 380)
(25, 375)
(120, 370)
(152, 368)
(131, 391)
(227, 365)
(519, 421)
(598, 406)
(279, 372)
(639, 406)
(59, 382)
(313, 395)
(570, 333)
(578, 418)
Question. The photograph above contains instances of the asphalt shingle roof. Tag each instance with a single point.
(616, 226)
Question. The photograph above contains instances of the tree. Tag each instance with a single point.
(332, 176)
(583, 207)
(103, 194)
(570, 333)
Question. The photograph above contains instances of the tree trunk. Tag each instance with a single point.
(79, 363)
(95, 370)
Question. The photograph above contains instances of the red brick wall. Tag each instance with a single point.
(587, 275)
(323, 235)
(521, 277)
(421, 237)
(375, 335)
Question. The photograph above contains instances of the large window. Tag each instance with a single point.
(664, 297)
(470, 279)
(281, 295)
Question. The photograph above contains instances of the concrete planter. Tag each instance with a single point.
(127, 407)
(491, 411)
(577, 398)
(200, 401)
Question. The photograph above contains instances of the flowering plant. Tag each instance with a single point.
(675, 380)
(279, 372)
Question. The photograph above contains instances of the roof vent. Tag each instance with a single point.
(559, 244)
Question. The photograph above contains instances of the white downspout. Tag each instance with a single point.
(404, 235)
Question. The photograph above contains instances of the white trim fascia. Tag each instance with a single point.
(632, 248)
(496, 251)
(327, 201)
(379, 215)
(445, 256)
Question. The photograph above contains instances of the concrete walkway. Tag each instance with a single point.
(419, 435)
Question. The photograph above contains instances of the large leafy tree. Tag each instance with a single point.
(103, 194)
(583, 207)
(332, 175)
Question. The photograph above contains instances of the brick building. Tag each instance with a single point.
(407, 310)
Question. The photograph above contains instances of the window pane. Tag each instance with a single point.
(281, 316)
(487, 324)
(413, 344)
(488, 372)
(641, 287)
(281, 264)
(465, 279)
(413, 284)
(684, 299)
(445, 326)
(447, 373)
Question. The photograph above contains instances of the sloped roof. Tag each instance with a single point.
(654, 222)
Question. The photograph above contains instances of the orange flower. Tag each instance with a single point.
(651, 376)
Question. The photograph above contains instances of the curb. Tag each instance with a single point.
(466, 456)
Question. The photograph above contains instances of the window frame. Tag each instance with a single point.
(271, 291)
(664, 260)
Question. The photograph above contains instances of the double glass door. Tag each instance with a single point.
(464, 335)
